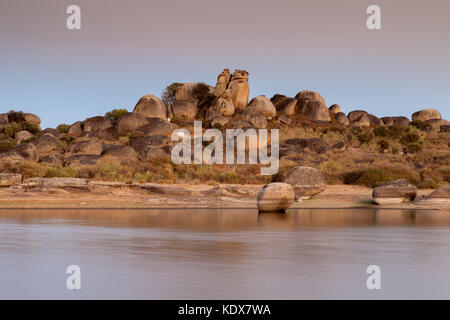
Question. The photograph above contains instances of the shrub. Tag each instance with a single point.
(63, 128)
(381, 131)
(277, 96)
(16, 116)
(168, 95)
(356, 130)
(11, 129)
(410, 137)
(7, 144)
(365, 137)
(414, 147)
(395, 132)
(421, 125)
(115, 114)
(31, 127)
(383, 145)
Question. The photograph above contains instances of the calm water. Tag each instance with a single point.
(229, 254)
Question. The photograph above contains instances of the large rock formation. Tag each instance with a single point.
(394, 192)
(240, 90)
(76, 129)
(22, 136)
(335, 108)
(306, 181)
(24, 151)
(255, 117)
(130, 122)
(285, 105)
(263, 105)
(359, 118)
(426, 114)
(275, 197)
(47, 144)
(440, 196)
(315, 145)
(398, 121)
(151, 106)
(84, 147)
(221, 106)
(157, 126)
(341, 118)
(222, 82)
(97, 123)
(312, 105)
(184, 109)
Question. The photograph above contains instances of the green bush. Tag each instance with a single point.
(381, 131)
(383, 145)
(7, 144)
(414, 147)
(396, 132)
(11, 129)
(63, 128)
(115, 114)
(30, 127)
(365, 137)
(168, 95)
(410, 137)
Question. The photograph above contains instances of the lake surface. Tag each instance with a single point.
(224, 254)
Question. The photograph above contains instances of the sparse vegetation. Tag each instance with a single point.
(168, 95)
(115, 114)
(63, 128)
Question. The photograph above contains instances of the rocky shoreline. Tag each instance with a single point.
(86, 194)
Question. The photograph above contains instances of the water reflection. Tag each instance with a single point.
(224, 254)
(227, 220)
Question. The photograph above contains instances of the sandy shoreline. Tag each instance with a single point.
(186, 196)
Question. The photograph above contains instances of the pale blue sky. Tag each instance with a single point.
(128, 49)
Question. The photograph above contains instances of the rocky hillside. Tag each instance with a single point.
(133, 147)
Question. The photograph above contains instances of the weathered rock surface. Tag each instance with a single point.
(141, 144)
(130, 122)
(316, 110)
(82, 159)
(56, 182)
(445, 128)
(263, 105)
(255, 117)
(222, 82)
(306, 181)
(97, 123)
(75, 129)
(275, 197)
(394, 192)
(307, 95)
(157, 126)
(121, 152)
(221, 106)
(316, 145)
(285, 105)
(359, 118)
(398, 121)
(184, 109)
(375, 121)
(240, 89)
(440, 196)
(9, 179)
(341, 118)
(47, 144)
(85, 147)
(151, 106)
(335, 108)
(22, 136)
(426, 114)
(32, 118)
